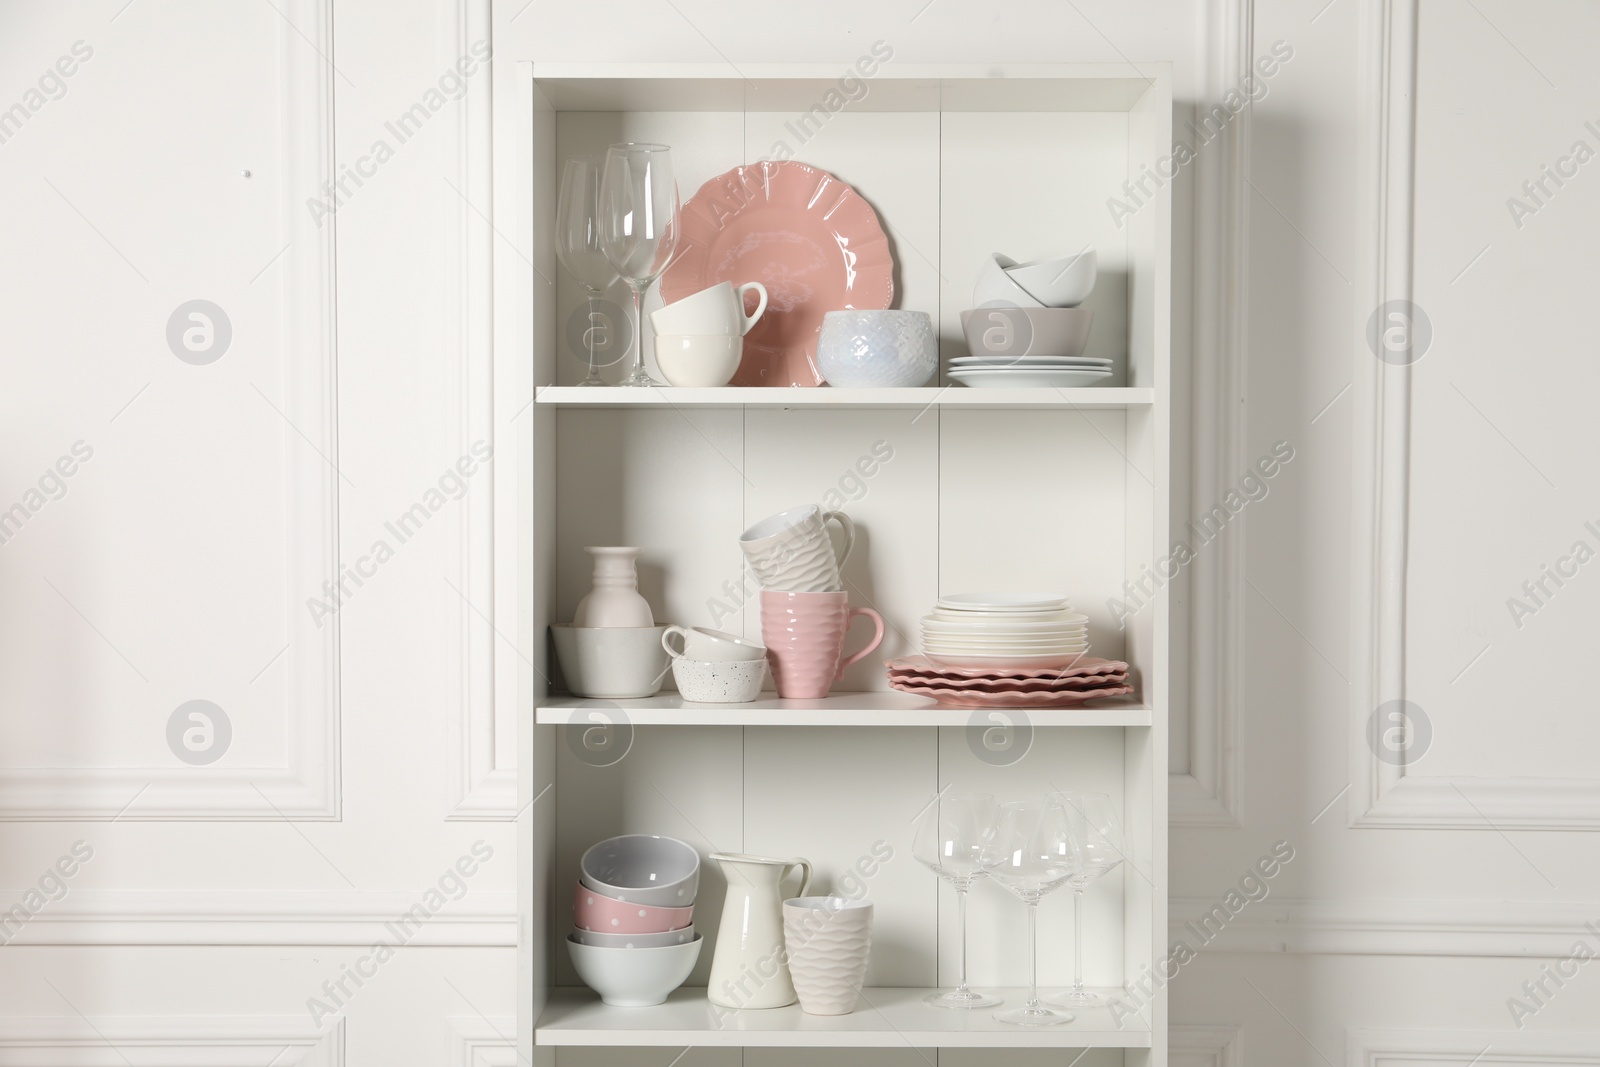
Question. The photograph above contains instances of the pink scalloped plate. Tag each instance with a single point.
(1010, 685)
(812, 240)
(1087, 666)
(1057, 698)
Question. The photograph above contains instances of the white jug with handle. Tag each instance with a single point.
(748, 969)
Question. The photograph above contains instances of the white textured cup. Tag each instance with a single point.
(828, 941)
(792, 551)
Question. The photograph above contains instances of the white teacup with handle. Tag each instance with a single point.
(711, 646)
(792, 550)
(717, 310)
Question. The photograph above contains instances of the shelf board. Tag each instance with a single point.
(884, 1018)
(838, 709)
(949, 396)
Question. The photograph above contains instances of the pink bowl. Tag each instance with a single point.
(608, 915)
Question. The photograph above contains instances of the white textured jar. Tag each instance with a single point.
(828, 940)
(877, 349)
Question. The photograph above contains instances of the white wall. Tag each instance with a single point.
(175, 578)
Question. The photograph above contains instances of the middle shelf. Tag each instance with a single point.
(836, 709)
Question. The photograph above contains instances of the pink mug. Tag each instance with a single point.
(804, 634)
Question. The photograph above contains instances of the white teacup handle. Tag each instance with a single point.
(761, 304)
(667, 644)
(849, 527)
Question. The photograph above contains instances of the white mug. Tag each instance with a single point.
(719, 309)
(792, 551)
(711, 646)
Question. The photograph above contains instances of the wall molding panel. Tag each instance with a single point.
(1384, 794)
(308, 788)
(1208, 795)
(1396, 927)
(1437, 1048)
(170, 1041)
(480, 787)
(1204, 1046)
(85, 917)
(477, 1041)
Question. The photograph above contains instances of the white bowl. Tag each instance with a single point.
(634, 977)
(996, 288)
(661, 872)
(1057, 282)
(866, 349)
(599, 940)
(705, 681)
(698, 361)
(611, 662)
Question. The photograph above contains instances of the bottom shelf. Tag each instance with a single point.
(884, 1018)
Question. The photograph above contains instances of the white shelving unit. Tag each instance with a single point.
(952, 489)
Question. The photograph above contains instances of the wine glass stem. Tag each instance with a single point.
(638, 322)
(1077, 942)
(961, 957)
(1033, 955)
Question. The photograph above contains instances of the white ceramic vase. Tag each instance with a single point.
(614, 599)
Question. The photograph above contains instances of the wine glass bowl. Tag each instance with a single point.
(638, 226)
(949, 840)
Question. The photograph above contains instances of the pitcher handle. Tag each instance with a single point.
(877, 639)
(805, 874)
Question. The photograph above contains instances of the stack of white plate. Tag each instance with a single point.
(1028, 371)
(1005, 630)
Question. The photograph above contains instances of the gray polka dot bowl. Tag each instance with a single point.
(706, 682)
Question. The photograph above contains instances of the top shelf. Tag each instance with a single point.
(951, 396)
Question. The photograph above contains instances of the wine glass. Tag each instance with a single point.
(1093, 826)
(950, 835)
(578, 240)
(639, 226)
(1032, 853)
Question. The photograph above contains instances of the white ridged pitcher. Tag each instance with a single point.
(748, 969)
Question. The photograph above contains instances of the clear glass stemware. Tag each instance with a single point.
(1031, 853)
(1094, 828)
(950, 835)
(578, 242)
(639, 227)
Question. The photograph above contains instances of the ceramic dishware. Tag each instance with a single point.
(700, 643)
(804, 635)
(698, 361)
(1018, 332)
(1058, 281)
(828, 941)
(748, 968)
(811, 239)
(719, 308)
(719, 682)
(633, 977)
(996, 288)
(642, 869)
(1003, 601)
(792, 550)
(611, 662)
(877, 349)
(613, 599)
(599, 940)
(593, 910)
(1029, 378)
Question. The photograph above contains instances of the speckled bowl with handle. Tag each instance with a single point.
(864, 349)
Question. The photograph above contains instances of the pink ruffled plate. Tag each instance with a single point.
(807, 236)
(1010, 685)
(1055, 698)
(1086, 667)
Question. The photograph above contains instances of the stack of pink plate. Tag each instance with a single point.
(1000, 687)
